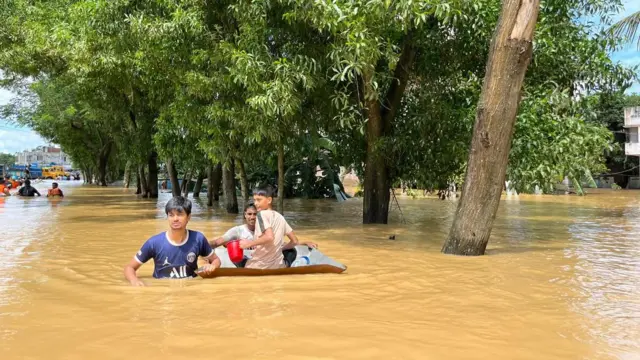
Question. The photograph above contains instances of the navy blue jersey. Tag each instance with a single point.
(173, 260)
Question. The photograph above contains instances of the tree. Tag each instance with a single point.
(7, 159)
(509, 57)
(628, 28)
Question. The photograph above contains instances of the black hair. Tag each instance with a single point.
(179, 204)
(27, 182)
(264, 191)
(54, 184)
(249, 206)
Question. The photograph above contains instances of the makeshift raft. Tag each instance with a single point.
(318, 263)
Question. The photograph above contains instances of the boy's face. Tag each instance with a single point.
(178, 220)
(262, 202)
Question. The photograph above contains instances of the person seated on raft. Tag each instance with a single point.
(175, 251)
(268, 239)
(247, 230)
(28, 190)
(55, 191)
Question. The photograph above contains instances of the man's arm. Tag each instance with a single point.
(36, 191)
(214, 262)
(265, 238)
(130, 273)
(294, 242)
(216, 242)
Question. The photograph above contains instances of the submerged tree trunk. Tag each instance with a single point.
(143, 181)
(103, 161)
(198, 185)
(229, 188)
(173, 177)
(138, 184)
(186, 182)
(152, 182)
(376, 172)
(509, 57)
(127, 175)
(281, 178)
(244, 184)
(377, 181)
(217, 181)
(210, 185)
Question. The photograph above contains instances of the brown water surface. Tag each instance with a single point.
(560, 282)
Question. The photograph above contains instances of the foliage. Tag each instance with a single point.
(200, 82)
(7, 159)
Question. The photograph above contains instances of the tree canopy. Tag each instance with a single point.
(392, 86)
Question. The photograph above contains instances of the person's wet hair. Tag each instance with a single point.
(264, 191)
(249, 206)
(27, 182)
(179, 204)
(55, 184)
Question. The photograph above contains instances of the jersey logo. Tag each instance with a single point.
(179, 272)
(191, 257)
(139, 252)
(166, 261)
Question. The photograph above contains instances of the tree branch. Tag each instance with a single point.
(401, 77)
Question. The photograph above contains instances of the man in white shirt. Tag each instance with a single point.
(247, 231)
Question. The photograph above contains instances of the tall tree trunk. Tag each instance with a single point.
(198, 186)
(377, 181)
(210, 185)
(143, 181)
(127, 175)
(229, 188)
(103, 160)
(186, 182)
(376, 172)
(217, 180)
(138, 184)
(244, 184)
(509, 57)
(173, 177)
(281, 177)
(152, 182)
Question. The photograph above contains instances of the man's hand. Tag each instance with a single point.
(209, 269)
(311, 244)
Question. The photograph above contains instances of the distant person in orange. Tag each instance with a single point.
(4, 188)
(55, 191)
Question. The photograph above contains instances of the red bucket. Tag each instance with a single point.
(235, 252)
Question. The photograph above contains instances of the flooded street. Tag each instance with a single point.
(560, 282)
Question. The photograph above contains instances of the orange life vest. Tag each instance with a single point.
(54, 192)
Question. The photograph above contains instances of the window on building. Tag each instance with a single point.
(632, 135)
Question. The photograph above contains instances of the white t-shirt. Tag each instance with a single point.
(240, 232)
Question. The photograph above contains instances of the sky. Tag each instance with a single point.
(15, 139)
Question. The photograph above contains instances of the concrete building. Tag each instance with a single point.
(44, 156)
(631, 124)
(632, 143)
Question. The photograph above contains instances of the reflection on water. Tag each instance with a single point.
(560, 282)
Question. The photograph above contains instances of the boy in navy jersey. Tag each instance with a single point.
(175, 251)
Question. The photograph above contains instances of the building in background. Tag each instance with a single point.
(632, 144)
(44, 156)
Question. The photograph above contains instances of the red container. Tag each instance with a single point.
(235, 252)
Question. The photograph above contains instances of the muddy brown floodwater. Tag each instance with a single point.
(561, 281)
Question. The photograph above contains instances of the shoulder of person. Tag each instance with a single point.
(196, 234)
